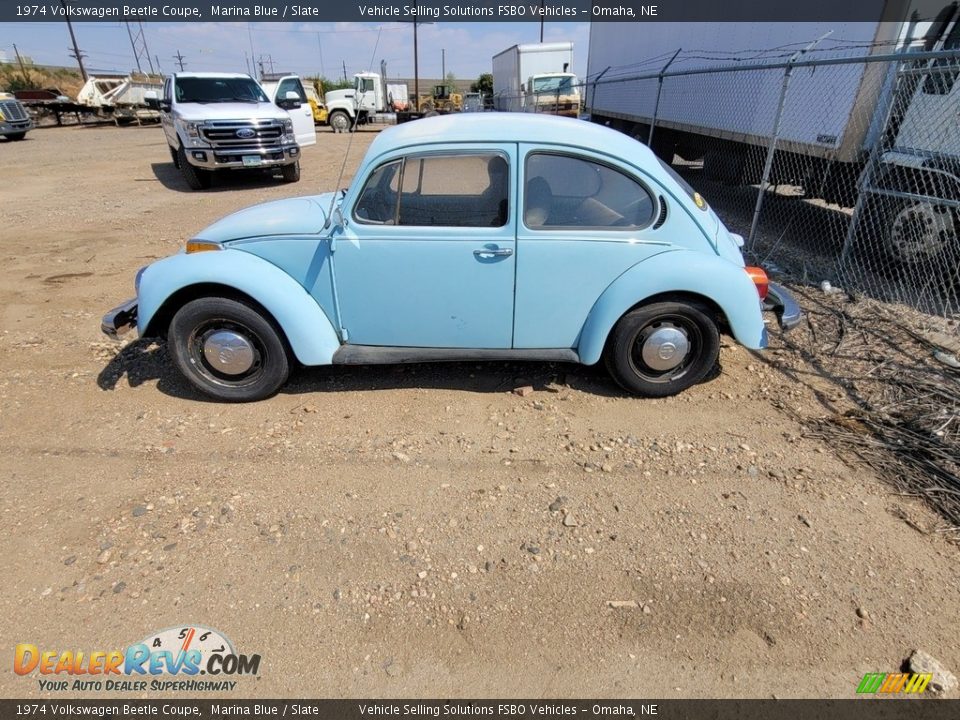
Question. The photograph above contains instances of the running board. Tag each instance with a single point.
(377, 355)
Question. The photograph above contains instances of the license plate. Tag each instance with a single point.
(252, 161)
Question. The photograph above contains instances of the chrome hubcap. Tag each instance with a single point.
(228, 352)
(665, 348)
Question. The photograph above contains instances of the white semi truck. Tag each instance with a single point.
(536, 77)
(834, 121)
(370, 99)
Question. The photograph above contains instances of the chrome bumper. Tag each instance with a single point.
(232, 158)
(121, 320)
(782, 303)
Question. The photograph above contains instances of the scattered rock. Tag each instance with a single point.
(104, 557)
(569, 520)
(523, 391)
(862, 613)
(561, 503)
(943, 680)
(402, 457)
(803, 519)
(139, 511)
(70, 560)
(119, 587)
(647, 610)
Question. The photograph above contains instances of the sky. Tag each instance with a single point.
(303, 48)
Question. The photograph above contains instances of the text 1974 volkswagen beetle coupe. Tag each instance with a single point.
(484, 237)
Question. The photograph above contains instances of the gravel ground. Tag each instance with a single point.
(422, 530)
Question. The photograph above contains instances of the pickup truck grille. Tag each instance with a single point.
(12, 110)
(242, 134)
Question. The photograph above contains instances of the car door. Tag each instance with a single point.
(302, 115)
(426, 255)
(585, 219)
(166, 113)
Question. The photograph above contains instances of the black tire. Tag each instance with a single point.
(175, 157)
(340, 121)
(189, 340)
(196, 178)
(17, 136)
(291, 173)
(626, 361)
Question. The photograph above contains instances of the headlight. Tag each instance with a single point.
(288, 136)
(190, 132)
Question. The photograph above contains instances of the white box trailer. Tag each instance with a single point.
(513, 67)
(833, 118)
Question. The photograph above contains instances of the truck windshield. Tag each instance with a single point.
(561, 84)
(218, 89)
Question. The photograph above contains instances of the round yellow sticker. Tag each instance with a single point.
(700, 202)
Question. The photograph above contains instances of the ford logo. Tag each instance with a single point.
(246, 133)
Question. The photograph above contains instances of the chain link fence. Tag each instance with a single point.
(839, 169)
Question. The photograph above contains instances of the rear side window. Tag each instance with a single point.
(469, 190)
(565, 191)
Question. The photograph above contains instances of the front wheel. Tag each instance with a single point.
(16, 136)
(339, 121)
(291, 172)
(663, 348)
(196, 178)
(228, 350)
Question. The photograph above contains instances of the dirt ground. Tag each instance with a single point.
(387, 531)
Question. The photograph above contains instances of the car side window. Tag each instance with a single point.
(468, 190)
(378, 200)
(291, 85)
(565, 191)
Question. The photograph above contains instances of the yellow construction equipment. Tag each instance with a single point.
(443, 99)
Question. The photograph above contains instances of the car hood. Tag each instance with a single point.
(293, 216)
(198, 112)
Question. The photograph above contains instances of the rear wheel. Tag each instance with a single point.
(663, 348)
(918, 233)
(228, 350)
(291, 172)
(17, 136)
(195, 177)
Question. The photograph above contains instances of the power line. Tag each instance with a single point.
(138, 41)
(76, 54)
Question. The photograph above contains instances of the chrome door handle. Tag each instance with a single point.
(488, 252)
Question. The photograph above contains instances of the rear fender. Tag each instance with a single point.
(719, 281)
(308, 330)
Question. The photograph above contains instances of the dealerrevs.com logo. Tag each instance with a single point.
(173, 659)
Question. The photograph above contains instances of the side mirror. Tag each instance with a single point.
(290, 101)
(291, 95)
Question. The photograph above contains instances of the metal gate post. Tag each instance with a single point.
(656, 106)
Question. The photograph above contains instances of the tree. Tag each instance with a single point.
(483, 85)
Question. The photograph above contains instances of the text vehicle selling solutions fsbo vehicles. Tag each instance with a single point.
(520, 237)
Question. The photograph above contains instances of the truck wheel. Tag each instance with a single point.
(291, 173)
(196, 178)
(663, 348)
(918, 233)
(175, 157)
(16, 136)
(228, 350)
(339, 121)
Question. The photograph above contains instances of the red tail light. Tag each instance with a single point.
(759, 277)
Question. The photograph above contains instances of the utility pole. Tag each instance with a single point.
(260, 65)
(344, 70)
(23, 69)
(159, 68)
(541, 20)
(179, 58)
(443, 64)
(416, 70)
(73, 38)
(320, 50)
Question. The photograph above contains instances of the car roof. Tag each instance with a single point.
(210, 75)
(511, 127)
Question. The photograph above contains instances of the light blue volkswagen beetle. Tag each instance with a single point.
(464, 237)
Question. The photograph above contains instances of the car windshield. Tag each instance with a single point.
(561, 84)
(220, 89)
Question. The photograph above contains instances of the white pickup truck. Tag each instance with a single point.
(225, 121)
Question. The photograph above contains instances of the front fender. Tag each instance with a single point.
(677, 271)
(308, 329)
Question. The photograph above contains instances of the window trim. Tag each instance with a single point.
(654, 197)
(435, 154)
